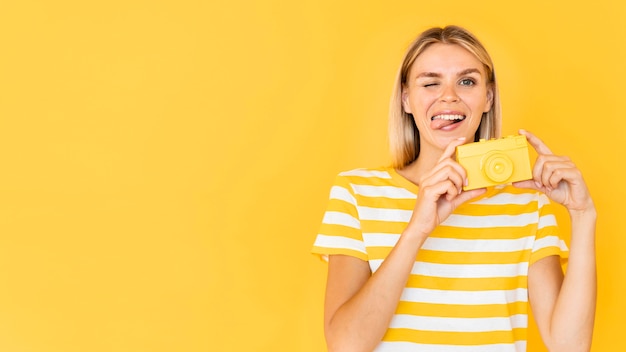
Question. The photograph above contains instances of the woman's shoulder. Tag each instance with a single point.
(371, 172)
(377, 180)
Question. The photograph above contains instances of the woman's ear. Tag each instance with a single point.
(405, 102)
(489, 101)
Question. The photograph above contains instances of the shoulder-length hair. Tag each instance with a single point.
(403, 133)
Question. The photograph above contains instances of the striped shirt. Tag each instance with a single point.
(468, 287)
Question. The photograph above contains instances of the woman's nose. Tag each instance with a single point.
(449, 93)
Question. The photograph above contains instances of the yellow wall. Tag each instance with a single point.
(164, 165)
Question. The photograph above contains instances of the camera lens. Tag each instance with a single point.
(497, 167)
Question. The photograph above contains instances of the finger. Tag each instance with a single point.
(441, 189)
(555, 178)
(451, 185)
(450, 165)
(536, 143)
(547, 163)
(530, 184)
(451, 171)
(452, 191)
(551, 165)
(465, 196)
(571, 175)
(450, 149)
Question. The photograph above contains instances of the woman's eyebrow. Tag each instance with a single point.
(428, 75)
(467, 71)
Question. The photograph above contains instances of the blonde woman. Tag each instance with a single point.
(415, 263)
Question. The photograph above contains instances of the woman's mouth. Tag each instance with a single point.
(444, 120)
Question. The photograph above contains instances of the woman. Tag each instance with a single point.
(417, 264)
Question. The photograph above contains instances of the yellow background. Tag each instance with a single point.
(164, 165)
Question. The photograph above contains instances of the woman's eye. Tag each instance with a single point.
(467, 82)
(430, 84)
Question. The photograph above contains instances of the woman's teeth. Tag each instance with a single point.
(448, 117)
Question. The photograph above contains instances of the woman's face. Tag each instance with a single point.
(447, 93)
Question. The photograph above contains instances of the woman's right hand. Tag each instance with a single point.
(440, 192)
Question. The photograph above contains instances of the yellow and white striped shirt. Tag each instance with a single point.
(468, 287)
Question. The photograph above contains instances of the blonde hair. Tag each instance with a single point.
(403, 133)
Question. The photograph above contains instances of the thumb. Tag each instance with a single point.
(530, 184)
(465, 196)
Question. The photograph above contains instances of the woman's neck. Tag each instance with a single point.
(421, 166)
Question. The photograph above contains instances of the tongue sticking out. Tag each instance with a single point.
(441, 121)
(439, 124)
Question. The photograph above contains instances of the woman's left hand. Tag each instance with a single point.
(558, 178)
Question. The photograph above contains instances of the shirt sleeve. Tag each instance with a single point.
(548, 240)
(340, 231)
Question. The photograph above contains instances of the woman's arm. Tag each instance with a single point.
(359, 305)
(564, 307)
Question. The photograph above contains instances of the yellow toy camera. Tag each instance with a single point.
(495, 162)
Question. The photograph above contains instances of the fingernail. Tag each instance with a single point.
(537, 184)
(465, 182)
